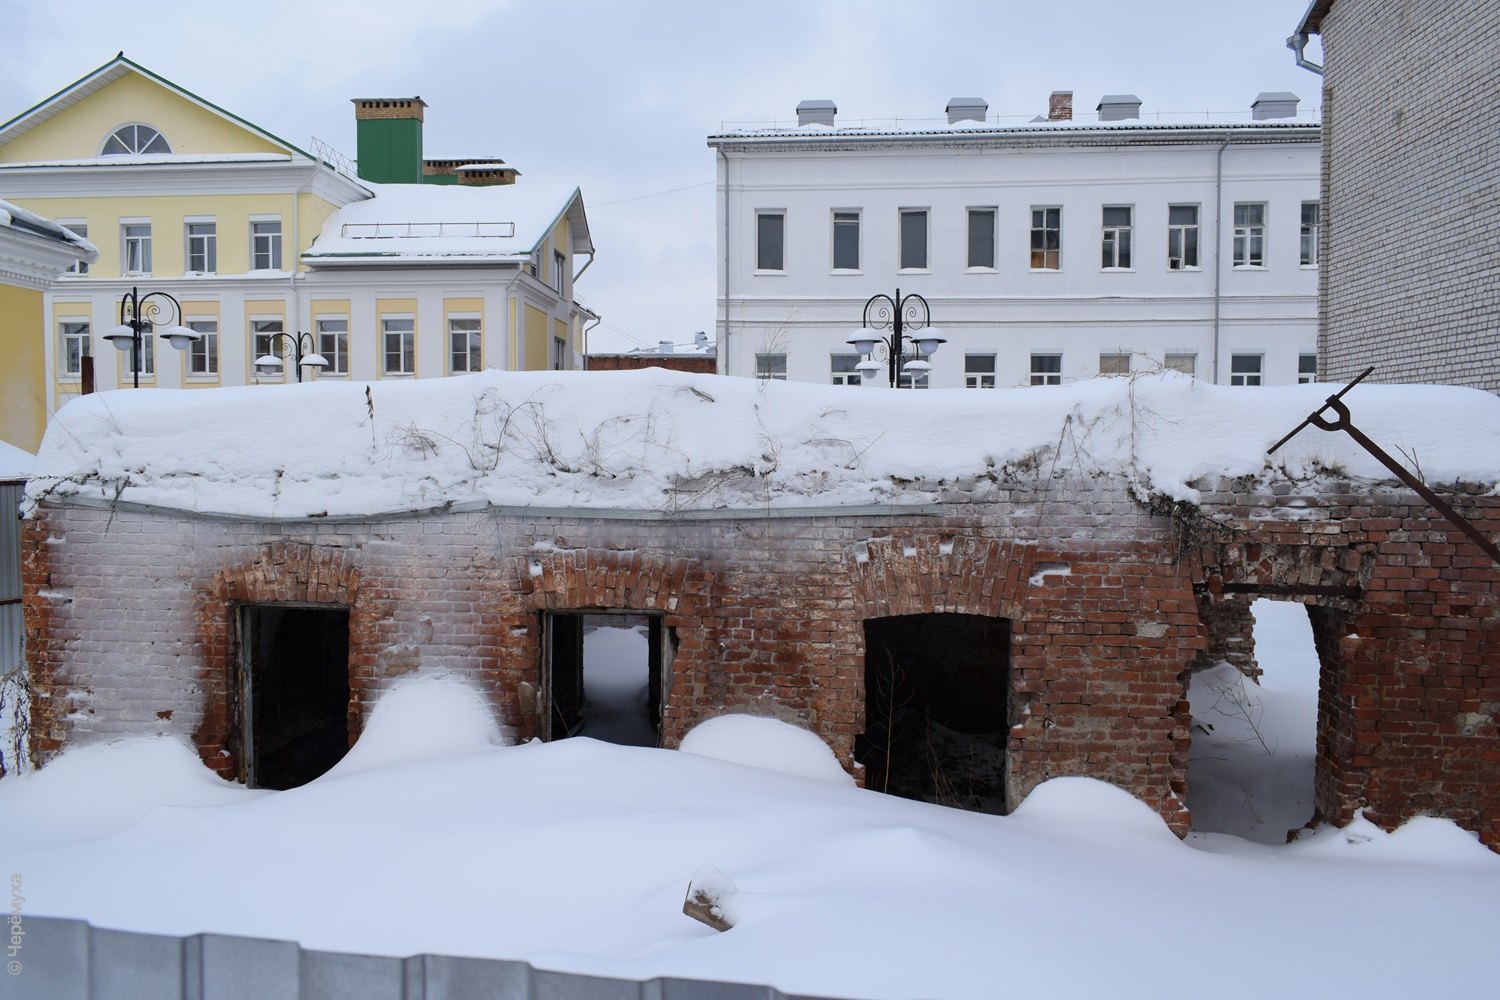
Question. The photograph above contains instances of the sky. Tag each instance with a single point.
(620, 98)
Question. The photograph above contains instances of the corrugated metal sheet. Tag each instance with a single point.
(10, 576)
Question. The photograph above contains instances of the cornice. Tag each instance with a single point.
(106, 180)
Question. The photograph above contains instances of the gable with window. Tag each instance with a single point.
(133, 140)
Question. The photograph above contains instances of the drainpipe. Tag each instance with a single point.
(587, 327)
(513, 318)
(1218, 246)
(724, 335)
(1298, 44)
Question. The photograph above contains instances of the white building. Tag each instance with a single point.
(1047, 251)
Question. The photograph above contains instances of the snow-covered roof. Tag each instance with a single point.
(440, 223)
(34, 250)
(667, 442)
(18, 218)
(15, 463)
(1165, 124)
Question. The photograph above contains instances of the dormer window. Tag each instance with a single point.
(132, 139)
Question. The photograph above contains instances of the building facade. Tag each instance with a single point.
(1412, 283)
(1047, 252)
(424, 268)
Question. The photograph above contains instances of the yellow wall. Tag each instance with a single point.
(23, 411)
(81, 129)
(537, 358)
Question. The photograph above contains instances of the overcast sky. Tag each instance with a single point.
(619, 97)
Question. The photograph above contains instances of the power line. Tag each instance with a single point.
(654, 194)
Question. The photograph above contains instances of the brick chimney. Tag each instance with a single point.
(389, 139)
(1060, 106)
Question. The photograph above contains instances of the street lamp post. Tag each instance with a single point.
(270, 363)
(908, 320)
(137, 313)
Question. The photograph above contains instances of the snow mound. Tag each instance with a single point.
(769, 744)
(15, 463)
(422, 717)
(1091, 806)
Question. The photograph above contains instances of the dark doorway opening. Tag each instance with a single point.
(937, 715)
(606, 675)
(294, 693)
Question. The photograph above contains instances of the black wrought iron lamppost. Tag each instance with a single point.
(909, 322)
(270, 363)
(139, 313)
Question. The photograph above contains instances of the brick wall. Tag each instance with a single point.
(704, 364)
(1411, 271)
(131, 621)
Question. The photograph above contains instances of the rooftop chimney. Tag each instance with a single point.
(1118, 107)
(1274, 104)
(388, 137)
(966, 109)
(1060, 106)
(816, 113)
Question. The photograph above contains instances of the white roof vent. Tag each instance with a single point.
(1118, 107)
(967, 109)
(816, 113)
(1274, 104)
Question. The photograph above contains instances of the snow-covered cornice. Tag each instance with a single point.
(108, 176)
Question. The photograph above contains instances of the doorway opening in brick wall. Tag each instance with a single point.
(293, 692)
(937, 709)
(1252, 763)
(606, 675)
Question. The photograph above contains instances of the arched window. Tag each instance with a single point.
(131, 139)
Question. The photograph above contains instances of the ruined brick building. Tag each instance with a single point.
(1036, 571)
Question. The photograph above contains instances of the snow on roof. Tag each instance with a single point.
(424, 222)
(18, 218)
(1165, 122)
(663, 441)
(15, 463)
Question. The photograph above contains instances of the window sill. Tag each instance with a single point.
(844, 271)
(1248, 267)
(767, 274)
(914, 270)
(398, 374)
(1190, 270)
(1309, 267)
(1045, 270)
(981, 270)
(1116, 270)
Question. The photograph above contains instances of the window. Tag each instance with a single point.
(148, 353)
(1244, 369)
(914, 380)
(399, 334)
(845, 369)
(559, 266)
(134, 139)
(203, 355)
(265, 245)
(982, 237)
(333, 344)
(81, 229)
(1116, 243)
(846, 241)
(770, 366)
(137, 249)
(770, 241)
(1114, 364)
(74, 346)
(202, 247)
(1046, 239)
(1249, 235)
(463, 344)
(1184, 362)
(979, 371)
(1182, 237)
(264, 342)
(1046, 369)
(913, 238)
(559, 354)
(1310, 234)
(1307, 368)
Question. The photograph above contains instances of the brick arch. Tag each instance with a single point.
(939, 572)
(606, 578)
(279, 571)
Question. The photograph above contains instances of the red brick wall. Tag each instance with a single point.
(703, 363)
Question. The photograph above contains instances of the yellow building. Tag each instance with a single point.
(276, 252)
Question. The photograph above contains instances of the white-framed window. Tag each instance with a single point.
(914, 380)
(1310, 212)
(1046, 369)
(80, 228)
(202, 247)
(1245, 369)
(979, 371)
(135, 238)
(559, 354)
(129, 140)
(1046, 240)
(265, 245)
(982, 237)
(1182, 237)
(913, 239)
(843, 369)
(264, 342)
(846, 239)
(464, 337)
(148, 353)
(1115, 245)
(559, 267)
(203, 355)
(770, 366)
(1114, 363)
(1249, 234)
(1307, 368)
(770, 241)
(73, 346)
(1182, 361)
(398, 336)
(333, 344)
